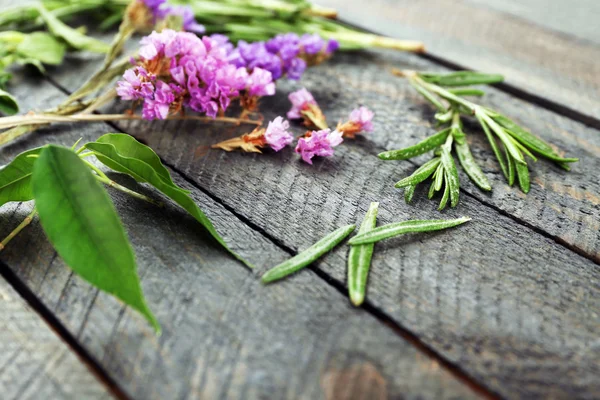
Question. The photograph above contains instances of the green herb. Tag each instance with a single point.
(8, 104)
(82, 224)
(77, 215)
(399, 228)
(359, 259)
(309, 255)
(516, 141)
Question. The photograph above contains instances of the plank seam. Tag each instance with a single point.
(62, 332)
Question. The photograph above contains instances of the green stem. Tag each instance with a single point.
(130, 192)
(18, 229)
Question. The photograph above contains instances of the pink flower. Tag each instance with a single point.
(318, 143)
(300, 99)
(135, 85)
(277, 134)
(362, 117)
(260, 83)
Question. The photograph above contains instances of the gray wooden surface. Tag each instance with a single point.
(486, 35)
(505, 306)
(35, 363)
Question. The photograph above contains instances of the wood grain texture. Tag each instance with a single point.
(34, 362)
(513, 307)
(225, 335)
(534, 58)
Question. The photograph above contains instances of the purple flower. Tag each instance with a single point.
(332, 46)
(362, 117)
(300, 100)
(260, 83)
(275, 44)
(311, 44)
(153, 5)
(187, 18)
(295, 68)
(319, 143)
(277, 134)
(132, 87)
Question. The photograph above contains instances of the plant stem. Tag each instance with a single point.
(18, 229)
(130, 192)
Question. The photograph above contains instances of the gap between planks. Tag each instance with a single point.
(87, 360)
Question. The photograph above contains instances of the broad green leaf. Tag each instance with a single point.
(8, 104)
(420, 148)
(462, 78)
(145, 172)
(15, 178)
(128, 146)
(399, 228)
(470, 166)
(82, 224)
(309, 255)
(422, 173)
(451, 174)
(73, 37)
(359, 259)
(42, 47)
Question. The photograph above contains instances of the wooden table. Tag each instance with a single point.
(506, 306)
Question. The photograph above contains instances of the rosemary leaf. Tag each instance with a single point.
(495, 148)
(451, 175)
(466, 92)
(445, 197)
(430, 97)
(462, 78)
(420, 148)
(359, 259)
(422, 173)
(409, 193)
(470, 166)
(309, 255)
(523, 175)
(399, 228)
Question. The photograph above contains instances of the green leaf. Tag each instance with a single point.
(409, 193)
(494, 144)
(82, 224)
(73, 37)
(422, 173)
(445, 197)
(145, 172)
(511, 168)
(42, 47)
(523, 175)
(462, 78)
(470, 166)
(451, 174)
(15, 178)
(466, 92)
(309, 255)
(399, 228)
(359, 259)
(128, 146)
(420, 148)
(430, 97)
(8, 104)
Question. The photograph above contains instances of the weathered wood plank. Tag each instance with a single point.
(512, 307)
(551, 65)
(34, 362)
(225, 335)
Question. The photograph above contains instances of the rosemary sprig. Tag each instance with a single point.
(510, 142)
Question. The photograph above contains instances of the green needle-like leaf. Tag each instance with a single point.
(72, 36)
(146, 173)
(420, 148)
(466, 92)
(451, 175)
(409, 193)
(8, 104)
(462, 78)
(15, 178)
(399, 228)
(82, 224)
(470, 166)
(511, 168)
(501, 160)
(430, 97)
(445, 197)
(422, 173)
(359, 259)
(523, 175)
(309, 255)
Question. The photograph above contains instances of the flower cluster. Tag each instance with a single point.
(284, 55)
(314, 143)
(304, 106)
(159, 10)
(179, 69)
